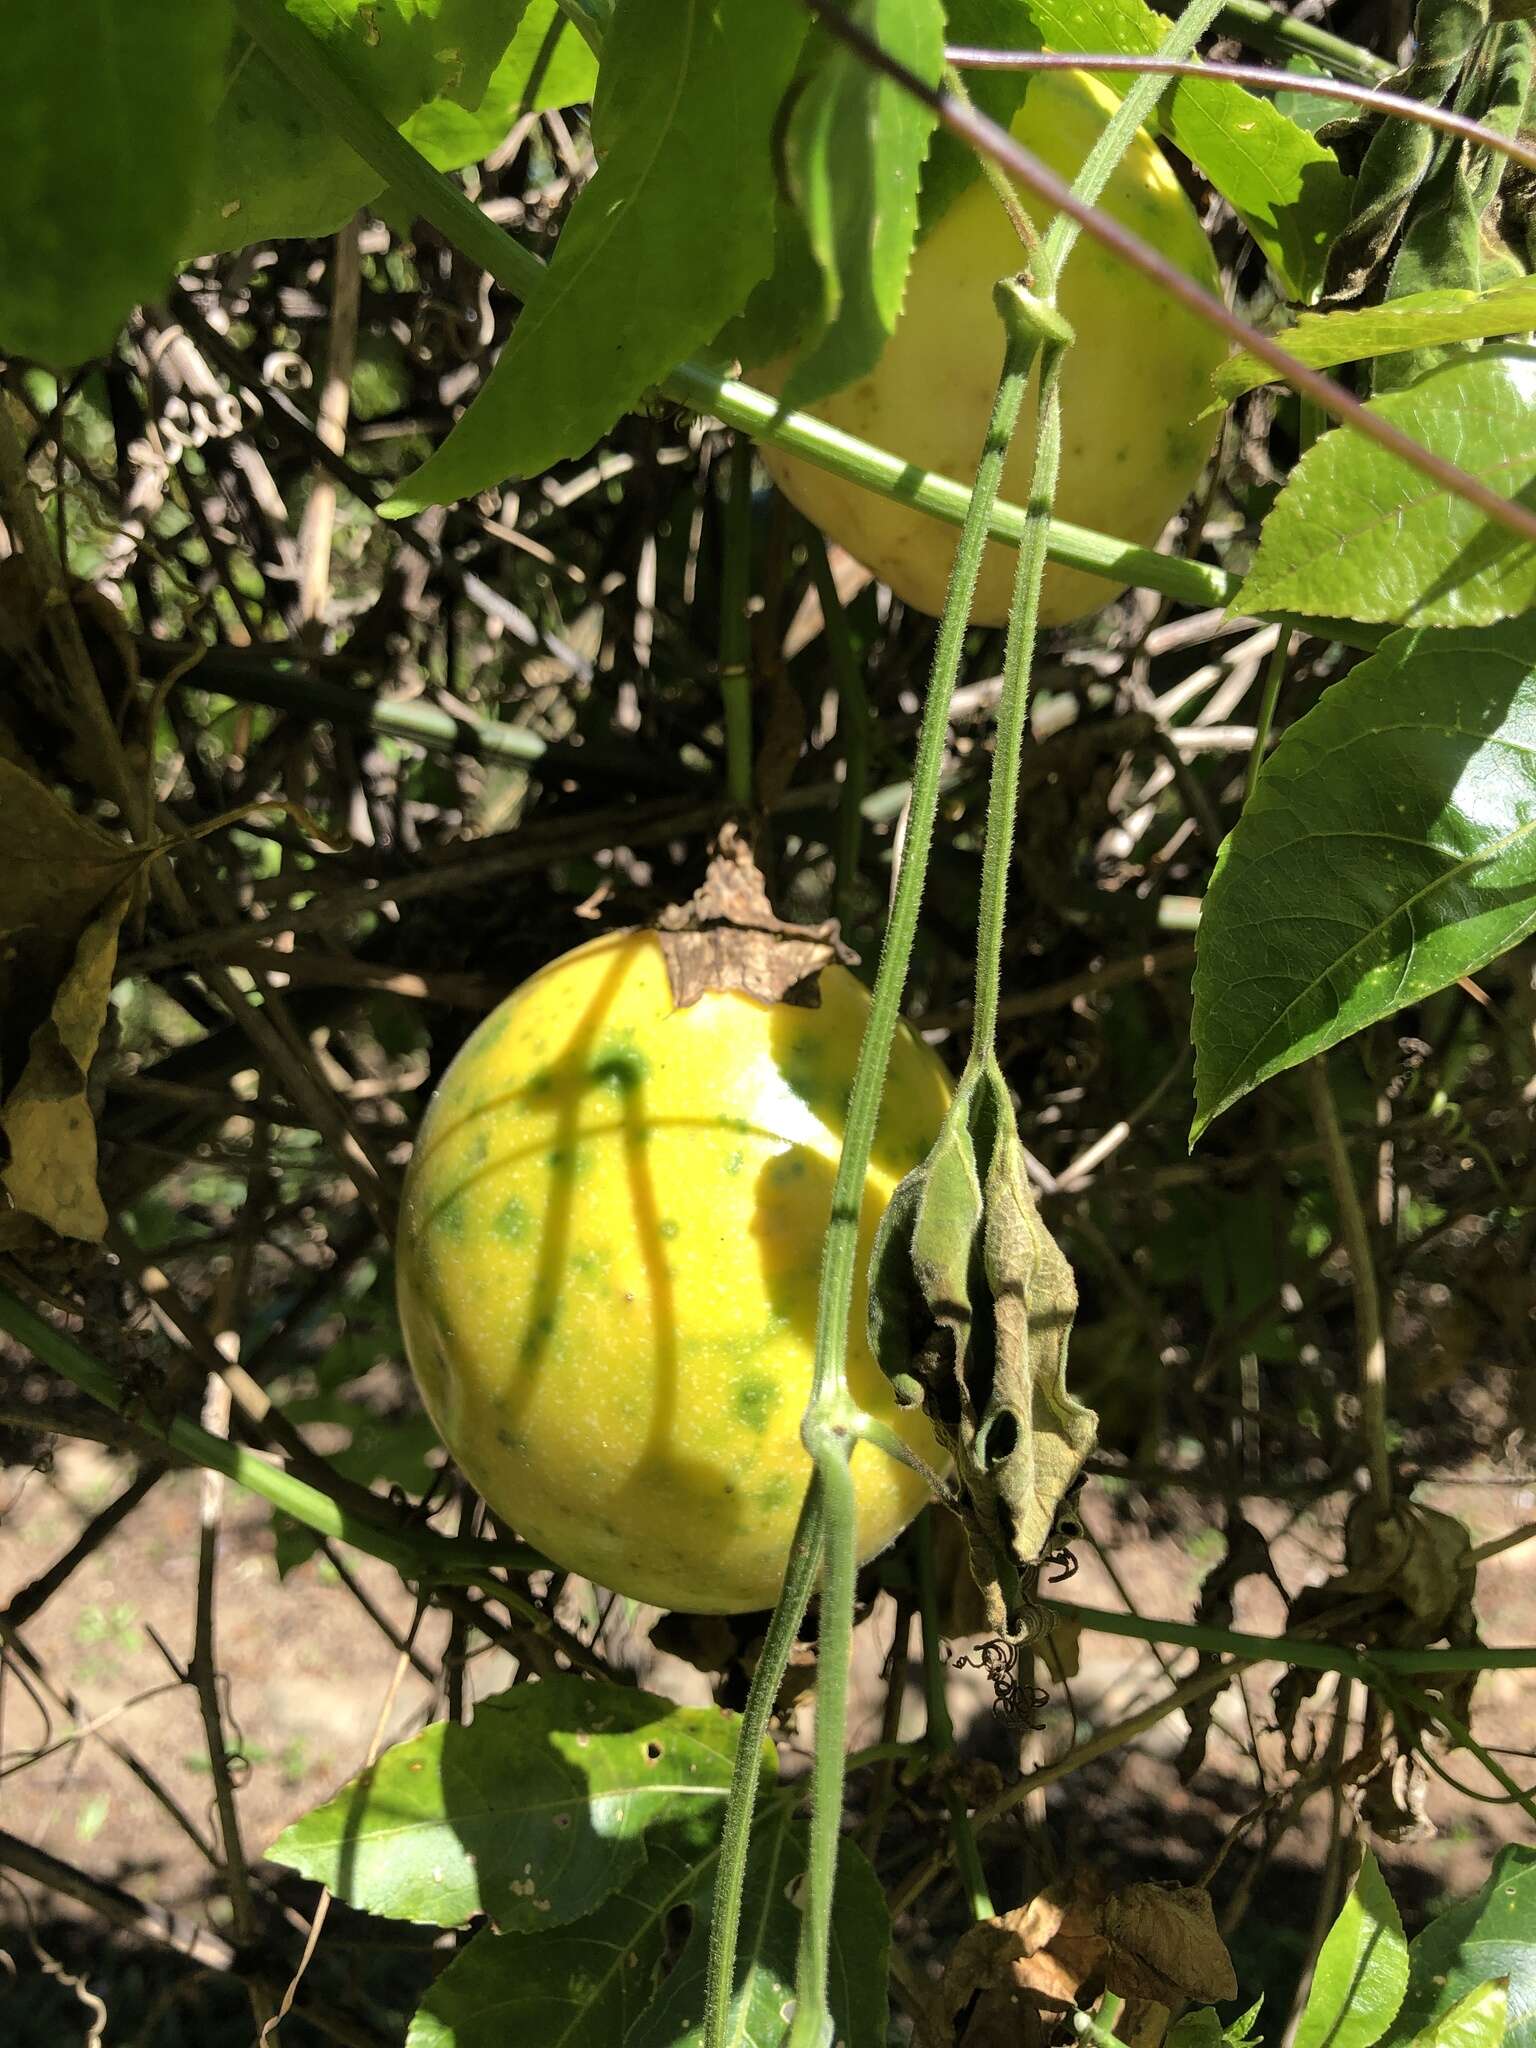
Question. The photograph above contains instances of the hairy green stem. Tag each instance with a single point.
(1272, 29)
(736, 1839)
(827, 1429)
(1119, 131)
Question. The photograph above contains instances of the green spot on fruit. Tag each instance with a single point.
(735, 1161)
(754, 1400)
(668, 1227)
(448, 1218)
(564, 1159)
(477, 1148)
(537, 1335)
(620, 1065)
(778, 1493)
(510, 1223)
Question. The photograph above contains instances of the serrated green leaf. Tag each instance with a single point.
(107, 125)
(1389, 848)
(855, 154)
(1284, 184)
(1492, 1934)
(277, 169)
(1362, 1971)
(1420, 320)
(1357, 533)
(532, 1814)
(766, 1952)
(1476, 2021)
(546, 64)
(661, 247)
(582, 1986)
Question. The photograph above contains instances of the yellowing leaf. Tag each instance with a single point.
(69, 886)
(46, 1117)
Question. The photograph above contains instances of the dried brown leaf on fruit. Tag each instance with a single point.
(1164, 1945)
(728, 938)
(970, 1312)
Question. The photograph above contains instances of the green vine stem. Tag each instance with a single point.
(830, 1427)
(1271, 28)
(736, 1837)
(735, 637)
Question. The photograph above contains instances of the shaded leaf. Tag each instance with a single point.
(970, 1312)
(277, 167)
(855, 152)
(1357, 533)
(91, 219)
(1417, 320)
(546, 64)
(1476, 2021)
(1362, 1971)
(661, 247)
(1492, 1934)
(583, 1986)
(1286, 186)
(1389, 848)
(767, 1948)
(532, 1814)
(953, 166)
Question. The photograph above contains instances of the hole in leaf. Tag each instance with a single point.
(998, 1439)
(653, 1752)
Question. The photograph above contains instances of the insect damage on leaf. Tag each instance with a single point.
(970, 1310)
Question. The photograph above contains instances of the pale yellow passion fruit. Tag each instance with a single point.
(608, 1265)
(1133, 385)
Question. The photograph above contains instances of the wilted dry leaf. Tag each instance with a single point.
(971, 1303)
(726, 937)
(69, 886)
(1164, 1945)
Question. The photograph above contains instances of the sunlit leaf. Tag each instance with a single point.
(1361, 1973)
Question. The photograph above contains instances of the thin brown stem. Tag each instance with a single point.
(1261, 77)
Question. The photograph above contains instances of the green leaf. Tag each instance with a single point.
(1286, 186)
(546, 64)
(661, 247)
(767, 1947)
(596, 1983)
(277, 169)
(856, 146)
(1476, 2021)
(582, 1986)
(1389, 848)
(107, 123)
(1362, 1972)
(1492, 1934)
(1357, 533)
(1198, 2029)
(532, 1814)
(1420, 320)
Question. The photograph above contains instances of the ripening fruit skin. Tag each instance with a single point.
(1133, 383)
(608, 1263)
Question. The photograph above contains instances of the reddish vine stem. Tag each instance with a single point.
(988, 137)
(1262, 77)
